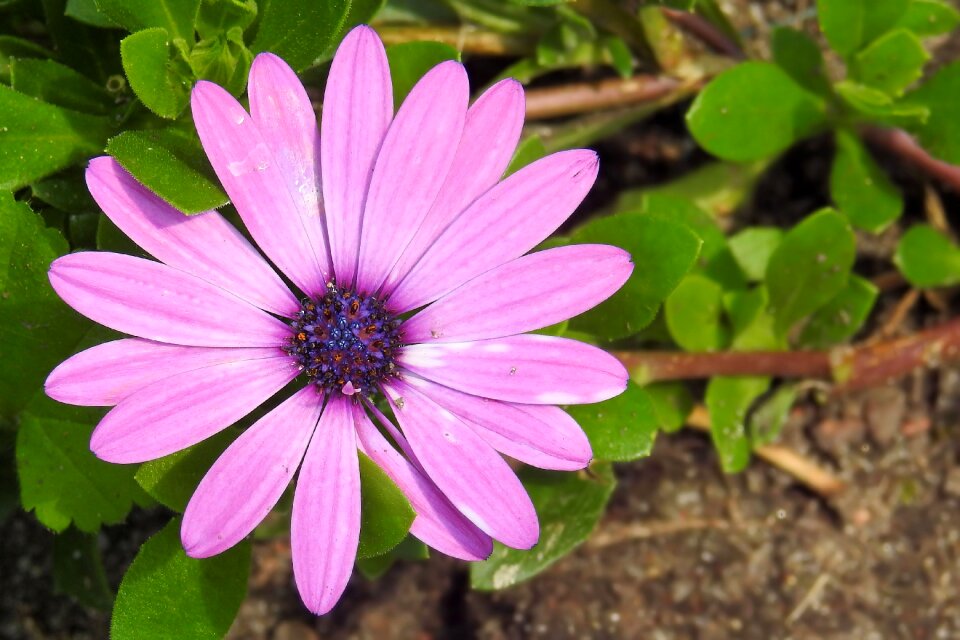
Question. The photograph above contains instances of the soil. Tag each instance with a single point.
(684, 551)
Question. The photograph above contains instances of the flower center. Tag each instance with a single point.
(344, 341)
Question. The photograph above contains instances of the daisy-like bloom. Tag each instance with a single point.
(407, 254)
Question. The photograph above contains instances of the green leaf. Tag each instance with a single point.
(928, 258)
(171, 480)
(675, 207)
(222, 59)
(86, 11)
(529, 150)
(620, 429)
(78, 569)
(165, 594)
(37, 330)
(569, 506)
(174, 16)
(753, 247)
(929, 17)
(810, 267)
(880, 107)
(727, 401)
(409, 549)
(940, 134)
(718, 188)
(218, 16)
(890, 63)
(797, 54)
(410, 60)
(110, 238)
(57, 84)
(850, 24)
(663, 251)
(60, 479)
(171, 163)
(386, 515)
(693, 314)
(767, 420)
(13, 48)
(162, 85)
(753, 324)
(860, 188)
(839, 319)
(299, 31)
(38, 139)
(672, 403)
(66, 191)
(753, 111)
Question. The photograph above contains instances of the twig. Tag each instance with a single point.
(702, 29)
(853, 367)
(891, 326)
(570, 99)
(465, 39)
(888, 280)
(906, 148)
(812, 595)
(803, 469)
(612, 535)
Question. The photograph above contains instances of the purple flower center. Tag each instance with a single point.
(344, 341)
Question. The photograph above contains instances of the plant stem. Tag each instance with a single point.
(707, 33)
(902, 144)
(465, 39)
(570, 99)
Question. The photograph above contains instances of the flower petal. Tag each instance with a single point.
(157, 302)
(502, 224)
(438, 523)
(325, 529)
(107, 373)
(178, 412)
(529, 369)
(357, 109)
(284, 114)
(247, 480)
(255, 182)
(539, 435)
(468, 471)
(490, 135)
(411, 166)
(528, 293)
(204, 245)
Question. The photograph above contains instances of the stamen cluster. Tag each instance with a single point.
(345, 341)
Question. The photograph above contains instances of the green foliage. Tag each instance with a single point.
(890, 63)
(728, 400)
(59, 85)
(176, 17)
(569, 506)
(851, 24)
(928, 258)
(694, 314)
(929, 17)
(162, 85)
(752, 249)
(410, 60)
(940, 132)
(860, 188)
(672, 402)
(841, 318)
(171, 480)
(767, 420)
(171, 163)
(165, 594)
(620, 429)
(60, 479)
(386, 515)
(78, 569)
(299, 31)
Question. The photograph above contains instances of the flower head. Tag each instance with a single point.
(406, 251)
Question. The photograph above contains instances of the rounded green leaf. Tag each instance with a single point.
(163, 87)
(727, 401)
(171, 480)
(386, 515)
(753, 111)
(165, 594)
(663, 251)
(410, 60)
(620, 429)
(890, 63)
(753, 247)
(299, 31)
(811, 266)
(800, 56)
(850, 24)
(694, 314)
(930, 17)
(940, 133)
(928, 258)
(842, 317)
(860, 188)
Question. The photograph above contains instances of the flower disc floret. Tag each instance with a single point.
(344, 341)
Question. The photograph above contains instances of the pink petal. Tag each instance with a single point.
(539, 435)
(490, 135)
(204, 245)
(529, 369)
(411, 166)
(249, 477)
(107, 373)
(357, 109)
(157, 302)
(438, 523)
(178, 412)
(468, 471)
(284, 114)
(255, 181)
(528, 293)
(325, 529)
(502, 224)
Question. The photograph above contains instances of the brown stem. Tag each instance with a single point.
(853, 367)
(466, 39)
(906, 148)
(565, 100)
(707, 33)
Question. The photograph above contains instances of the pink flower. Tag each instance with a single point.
(388, 215)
